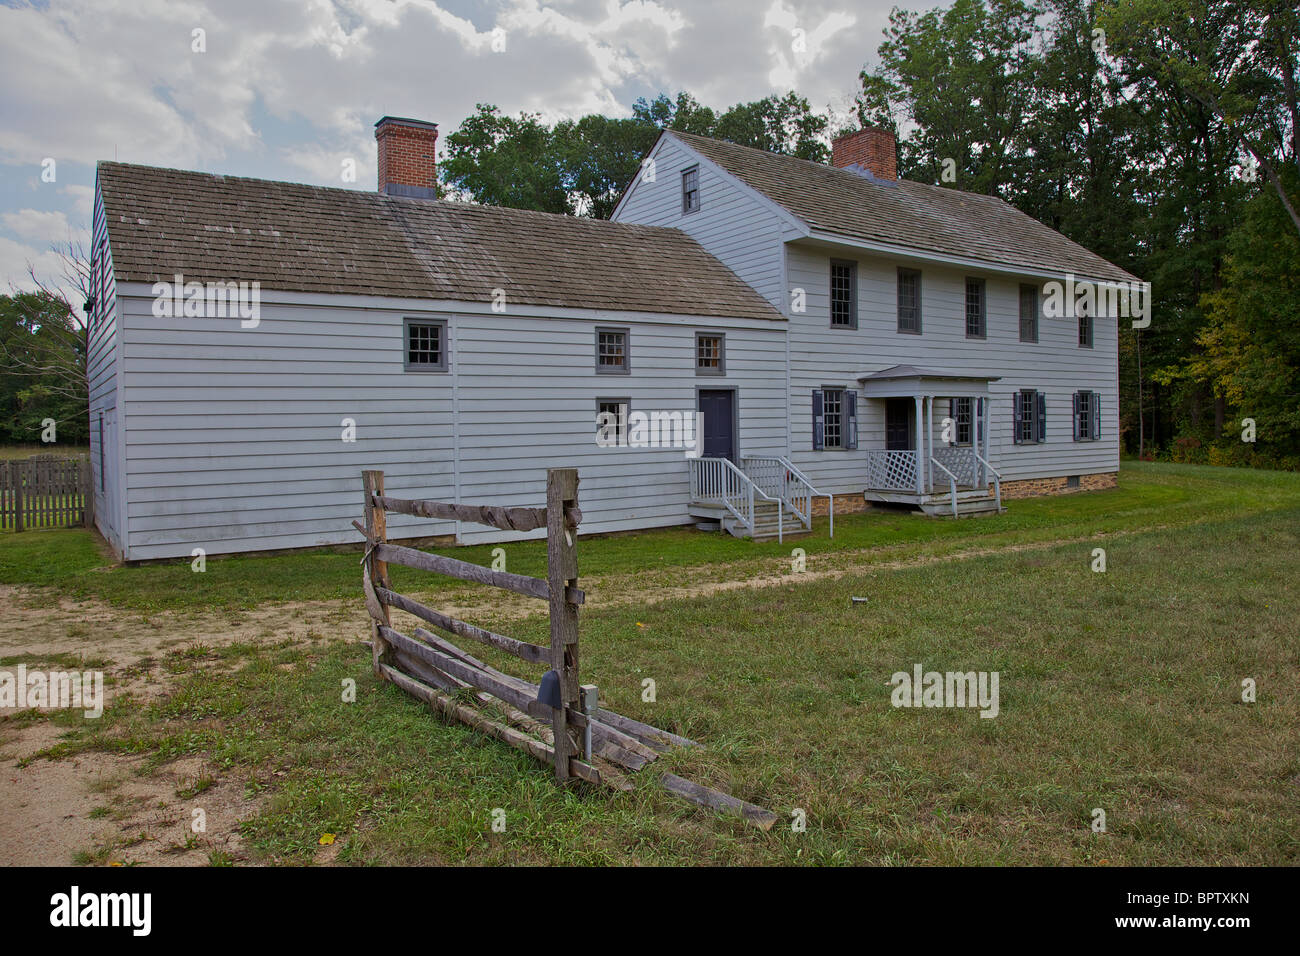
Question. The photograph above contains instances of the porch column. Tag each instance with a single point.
(988, 421)
(920, 445)
(929, 443)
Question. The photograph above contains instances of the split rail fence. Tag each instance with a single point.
(45, 491)
(558, 720)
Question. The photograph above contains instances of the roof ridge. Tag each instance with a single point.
(457, 205)
(834, 169)
(933, 220)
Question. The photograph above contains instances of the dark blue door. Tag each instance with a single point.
(719, 409)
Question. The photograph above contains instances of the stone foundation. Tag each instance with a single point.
(1032, 487)
(844, 505)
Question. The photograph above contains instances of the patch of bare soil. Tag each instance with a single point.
(97, 804)
(96, 808)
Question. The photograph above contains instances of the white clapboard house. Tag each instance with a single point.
(255, 345)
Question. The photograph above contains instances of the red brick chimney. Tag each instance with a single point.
(406, 164)
(874, 149)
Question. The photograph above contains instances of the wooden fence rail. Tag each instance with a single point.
(557, 720)
(45, 491)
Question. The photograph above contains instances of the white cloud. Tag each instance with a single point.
(286, 90)
(37, 225)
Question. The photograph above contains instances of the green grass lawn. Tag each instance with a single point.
(1120, 691)
(70, 563)
(8, 452)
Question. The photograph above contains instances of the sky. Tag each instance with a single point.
(291, 89)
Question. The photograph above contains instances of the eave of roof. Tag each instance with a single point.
(905, 218)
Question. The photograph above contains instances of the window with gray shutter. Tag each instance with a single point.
(817, 420)
(1087, 416)
(1030, 417)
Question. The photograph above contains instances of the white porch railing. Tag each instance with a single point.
(891, 470)
(778, 478)
(717, 479)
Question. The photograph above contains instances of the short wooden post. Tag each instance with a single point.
(372, 483)
(561, 573)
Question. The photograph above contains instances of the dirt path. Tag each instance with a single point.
(52, 810)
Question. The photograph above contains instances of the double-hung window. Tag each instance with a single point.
(1029, 425)
(844, 294)
(1029, 313)
(975, 309)
(1087, 416)
(909, 301)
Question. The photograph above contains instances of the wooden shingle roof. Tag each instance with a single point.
(294, 237)
(928, 219)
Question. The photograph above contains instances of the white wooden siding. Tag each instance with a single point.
(825, 356)
(235, 439)
(733, 222)
(102, 358)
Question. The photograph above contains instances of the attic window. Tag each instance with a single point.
(709, 354)
(690, 189)
(426, 345)
(612, 351)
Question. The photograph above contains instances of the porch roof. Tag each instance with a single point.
(908, 380)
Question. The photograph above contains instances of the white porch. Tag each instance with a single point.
(942, 473)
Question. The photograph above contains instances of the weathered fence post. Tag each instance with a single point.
(561, 573)
(87, 484)
(372, 483)
(19, 503)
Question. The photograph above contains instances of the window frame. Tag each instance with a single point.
(1035, 422)
(1037, 310)
(444, 345)
(1087, 415)
(624, 402)
(721, 370)
(626, 367)
(957, 421)
(687, 209)
(1085, 321)
(982, 285)
(840, 422)
(903, 271)
(852, 267)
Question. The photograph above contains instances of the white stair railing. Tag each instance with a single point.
(997, 480)
(717, 479)
(952, 482)
(777, 477)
